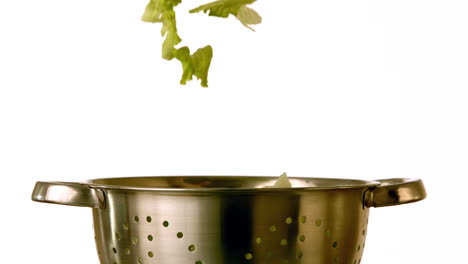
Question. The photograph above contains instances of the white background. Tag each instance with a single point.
(350, 89)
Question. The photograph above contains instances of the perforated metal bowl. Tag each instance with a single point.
(229, 219)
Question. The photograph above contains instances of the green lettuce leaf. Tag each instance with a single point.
(238, 8)
(154, 11)
(198, 63)
(247, 16)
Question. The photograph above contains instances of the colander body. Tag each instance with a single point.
(230, 220)
(322, 226)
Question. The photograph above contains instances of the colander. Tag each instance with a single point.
(230, 219)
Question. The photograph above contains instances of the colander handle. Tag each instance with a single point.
(395, 191)
(68, 193)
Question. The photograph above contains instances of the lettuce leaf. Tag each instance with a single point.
(162, 11)
(198, 63)
(238, 8)
(247, 16)
(222, 8)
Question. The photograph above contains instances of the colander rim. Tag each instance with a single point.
(347, 183)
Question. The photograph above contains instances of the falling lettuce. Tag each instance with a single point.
(238, 8)
(198, 63)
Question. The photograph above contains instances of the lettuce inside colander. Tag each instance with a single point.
(282, 182)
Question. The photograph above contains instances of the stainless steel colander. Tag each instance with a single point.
(230, 219)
